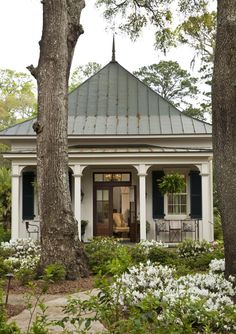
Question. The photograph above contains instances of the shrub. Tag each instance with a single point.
(163, 256)
(149, 294)
(5, 235)
(101, 251)
(191, 248)
(55, 272)
(141, 251)
(21, 255)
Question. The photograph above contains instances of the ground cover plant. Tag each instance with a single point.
(147, 288)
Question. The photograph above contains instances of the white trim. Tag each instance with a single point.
(200, 135)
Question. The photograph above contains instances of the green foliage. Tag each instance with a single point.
(4, 268)
(120, 262)
(5, 235)
(163, 256)
(5, 195)
(5, 327)
(172, 183)
(81, 73)
(135, 15)
(218, 233)
(25, 275)
(55, 272)
(17, 98)
(169, 80)
(101, 251)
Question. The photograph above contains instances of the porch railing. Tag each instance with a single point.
(175, 231)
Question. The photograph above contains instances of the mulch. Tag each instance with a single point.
(54, 288)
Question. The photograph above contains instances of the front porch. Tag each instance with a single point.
(103, 195)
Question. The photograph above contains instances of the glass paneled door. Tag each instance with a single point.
(115, 211)
(102, 209)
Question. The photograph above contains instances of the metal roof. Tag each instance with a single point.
(114, 102)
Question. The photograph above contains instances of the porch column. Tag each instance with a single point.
(77, 169)
(15, 194)
(207, 223)
(142, 173)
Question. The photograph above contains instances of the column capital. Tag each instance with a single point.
(205, 169)
(142, 169)
(77, 169)
(16, 170)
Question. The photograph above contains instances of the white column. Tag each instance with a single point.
(142, 173)
(77, 169)
(15, 195)
(77, 196)
(206, 202)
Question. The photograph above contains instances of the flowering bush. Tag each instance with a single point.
(24, 254)
(191, 248)
(146, 245)
(217, 265)
(203, 300)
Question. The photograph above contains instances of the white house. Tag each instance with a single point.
(123, 137)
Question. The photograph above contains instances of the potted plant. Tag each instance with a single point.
(172, 183)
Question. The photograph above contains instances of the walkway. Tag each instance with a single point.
(54, 312)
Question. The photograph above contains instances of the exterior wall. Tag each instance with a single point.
(126, 162)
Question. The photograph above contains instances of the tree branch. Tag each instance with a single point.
(33, 70)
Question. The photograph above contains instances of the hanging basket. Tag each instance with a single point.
(172, 183)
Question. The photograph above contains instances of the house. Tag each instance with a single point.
(123, 137)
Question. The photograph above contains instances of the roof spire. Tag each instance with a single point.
(113, 59)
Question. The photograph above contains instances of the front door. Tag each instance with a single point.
(114, 199)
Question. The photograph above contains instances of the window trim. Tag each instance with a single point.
(178, 216)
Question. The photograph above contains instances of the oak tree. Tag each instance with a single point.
(224, 125)
(58, 228)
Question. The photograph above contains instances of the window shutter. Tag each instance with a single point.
(195, 194)
(28, 195)
(157, 197)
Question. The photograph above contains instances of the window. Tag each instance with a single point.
(112, 177)
(177, 203)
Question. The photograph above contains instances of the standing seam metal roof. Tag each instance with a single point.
(114, 102)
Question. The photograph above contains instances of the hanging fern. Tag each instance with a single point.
(172, 184)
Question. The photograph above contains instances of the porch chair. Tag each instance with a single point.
(119, 225)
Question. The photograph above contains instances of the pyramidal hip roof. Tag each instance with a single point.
(113, 102)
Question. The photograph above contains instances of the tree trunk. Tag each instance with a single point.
(59, 231)
(224, 125)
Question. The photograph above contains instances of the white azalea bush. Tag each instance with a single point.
(199, 303)
(146, 245)
(24, 255)
(192, 248)
(217, 265)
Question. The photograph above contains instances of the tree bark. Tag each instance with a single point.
(224, 125)
(59, 231)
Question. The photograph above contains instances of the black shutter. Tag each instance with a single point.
(195, 194)
(157, 197)
(28, 195)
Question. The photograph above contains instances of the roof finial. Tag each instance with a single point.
(113, 59)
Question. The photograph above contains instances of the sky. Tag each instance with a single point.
(21, 26)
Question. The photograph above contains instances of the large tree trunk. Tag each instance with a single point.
(59, 231)
(224, 125)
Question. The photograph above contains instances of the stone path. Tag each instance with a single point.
(54, 306)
